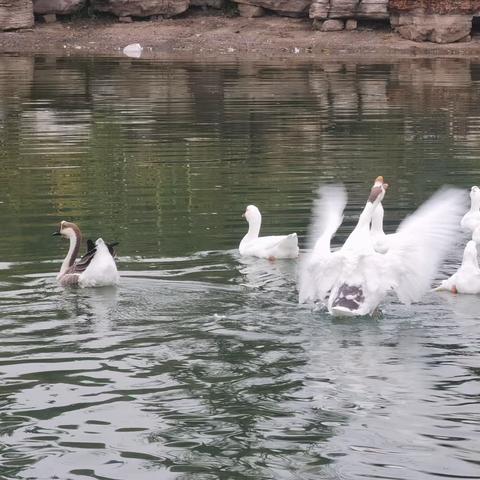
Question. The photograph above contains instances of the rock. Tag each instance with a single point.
(141, 8)
(125, 19)
(250, 11)
(441, 7)
(440, 21)
(49, 18)
(436, 28)
(284, 13)
(342, 8)
(218, 4)
(285, 7)
(369, 9)
(15, 14)
(319, 9)
(351, 24)
(57, 7)
(332, 25)
(373, 9)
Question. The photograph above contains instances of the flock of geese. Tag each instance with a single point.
(353, 279)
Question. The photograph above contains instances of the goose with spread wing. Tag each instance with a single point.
(96, 268)
(318, 269)
(356, 278)
(271, 247)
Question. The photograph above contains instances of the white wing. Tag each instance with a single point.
(327, 216)
(421, 243)
(102, 270)
(319, 269)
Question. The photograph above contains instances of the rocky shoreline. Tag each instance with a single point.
(437, 21)
(246, 28)
(220, 37)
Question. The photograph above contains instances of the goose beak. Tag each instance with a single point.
(54, 234)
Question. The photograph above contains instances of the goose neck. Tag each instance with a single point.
(254, 227)
(377, 220)
(366, 216)
(475, 203)
(72, 253)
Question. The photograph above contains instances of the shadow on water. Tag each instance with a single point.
(201, 364)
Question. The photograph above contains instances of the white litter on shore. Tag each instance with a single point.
(134, 50)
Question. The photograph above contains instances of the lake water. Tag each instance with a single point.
(201, 364)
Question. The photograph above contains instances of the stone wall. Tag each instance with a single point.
(441, 21)
(440, 7)
(283, 7)
(16, 14)
(369, 9)
(57, 7)
(330, 15)
(141, 8)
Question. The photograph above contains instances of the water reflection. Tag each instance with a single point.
(201, 364)
(462, 306)
(267, 275)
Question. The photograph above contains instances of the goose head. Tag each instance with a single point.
(72, 232)
(474, 192)
(377, 193)
(252, 214)
(474, 198)
(254, 218)
(68, 230)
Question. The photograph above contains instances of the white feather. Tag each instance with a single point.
(102, 270)
(327, 216)
(421, 243)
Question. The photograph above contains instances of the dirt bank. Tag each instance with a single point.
(219, 37)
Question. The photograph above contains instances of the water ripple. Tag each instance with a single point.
(201, 364)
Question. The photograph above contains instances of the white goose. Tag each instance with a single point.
(320, 270)
(467, 278)
(471, 220)
(96, 268)
(355, 279)
(272, 247)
